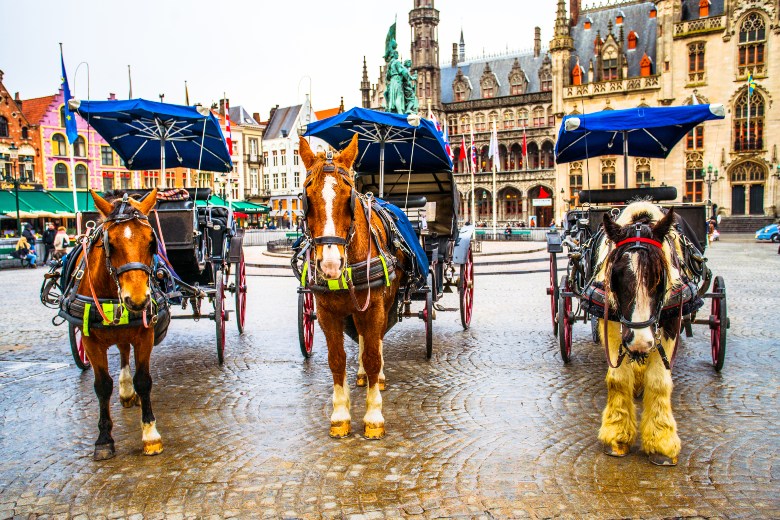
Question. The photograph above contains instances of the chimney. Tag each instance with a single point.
(256, 117)
(111, 96)
(574, 11)
(341, 106)
(222, 107)
(537, 41)
(1, 75)
(273, 111)
(454, 54)
(18, 100)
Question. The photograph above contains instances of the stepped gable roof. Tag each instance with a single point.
(500, 66)
(240, 116)
(636, 17)
(690, 9)
(284, 119)
(34, 109)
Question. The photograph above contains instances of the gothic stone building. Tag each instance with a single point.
(676, 52)
(512, 91)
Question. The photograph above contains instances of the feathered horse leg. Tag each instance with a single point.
(618, 421)
(659, 429)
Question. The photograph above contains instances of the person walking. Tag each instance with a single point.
(48, 242)
(29, 234)
(61, 243)
(24, 251)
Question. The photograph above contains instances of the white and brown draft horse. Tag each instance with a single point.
(119, 262)
(638, 265)
(345, 232)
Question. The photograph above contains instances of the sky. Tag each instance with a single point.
(258, 53)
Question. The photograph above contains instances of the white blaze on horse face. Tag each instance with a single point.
(643, 339)
(128, 233)
(330, 263)
(340, 403)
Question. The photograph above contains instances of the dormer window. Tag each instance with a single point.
(619, 19)
(645, 66)
(587, 24)
(597, 43)
(653, 13)
(576, 75)
(632, 39)
(488, 83)
(704, 8)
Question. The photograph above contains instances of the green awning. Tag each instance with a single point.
(213, 201)
(249, 208)
(8, 203)
(44, 203)
(84, 199)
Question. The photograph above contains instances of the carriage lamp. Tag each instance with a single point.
(777, 172)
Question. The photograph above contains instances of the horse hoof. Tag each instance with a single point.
(374, 431)
(361, 380)
(104, 451)
(340, 429)
(662, 460)
(381, 383)
(617, 450)
(130, 401)
(153, 447)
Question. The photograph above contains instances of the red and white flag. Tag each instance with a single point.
(525, 146)
(228, 134)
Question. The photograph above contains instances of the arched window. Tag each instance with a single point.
(513, 204)
(465, 124)
(608, 174)
(59, 148)
(609, 64)
(522, 118)
(483, 159)
(79, 147)
(752, 44)
(515, 157)
(752, 137)
(509, 119)
(547, 155)
(696, 62)
(60, 176)
(484, 203)
(492, 118)
(748, 172)
(538, 116)
(545, 79)
(452, 122)
(3, 127)
(632, 39)
(479, 123)
(694, 177)
(645, 66)
(81, 176)
(575, 181)
(532, 151)
(643, 176)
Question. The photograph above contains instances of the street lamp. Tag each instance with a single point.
(712, 176)
(13, 154)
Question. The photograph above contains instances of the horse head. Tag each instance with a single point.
(329, 199)
(129, 244)
(637, 276)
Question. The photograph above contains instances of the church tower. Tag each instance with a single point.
(365, 87)
(424, 21)
(561, 47)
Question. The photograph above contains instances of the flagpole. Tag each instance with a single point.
(494, 142)
(748, 118)
(130, 82)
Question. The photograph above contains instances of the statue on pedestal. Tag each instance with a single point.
(400, 84)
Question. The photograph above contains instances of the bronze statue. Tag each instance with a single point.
(400, 84)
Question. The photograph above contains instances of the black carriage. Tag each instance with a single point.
(415, 176)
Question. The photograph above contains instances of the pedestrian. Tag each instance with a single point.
(508, 231)
(29, 234)
(61, 243)
(24, 251)
(48, 241)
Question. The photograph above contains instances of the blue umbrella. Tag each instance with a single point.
(639, 132)
(188, 137)
(386, 141)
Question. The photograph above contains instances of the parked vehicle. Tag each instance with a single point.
(770, 232)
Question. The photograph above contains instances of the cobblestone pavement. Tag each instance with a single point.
(494, 426)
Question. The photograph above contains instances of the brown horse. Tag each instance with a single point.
(126, 247)
(640, 270)
(337, 221)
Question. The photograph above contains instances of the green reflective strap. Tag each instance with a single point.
(340, 283)
(303, 274)
(85, 325)
(384, 268)
(108, 310)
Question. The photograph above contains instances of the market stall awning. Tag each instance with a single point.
(214, 200)
(84, 199)
(249, 208)
(45, 204)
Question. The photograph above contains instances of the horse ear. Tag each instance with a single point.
(147, 203)
(661, 229)
(305, 152)
(103, 206)
(610, 228)
(349, 154)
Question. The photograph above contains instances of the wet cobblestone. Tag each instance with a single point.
(494, 426)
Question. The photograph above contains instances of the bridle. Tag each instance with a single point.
(90, 238)
(637, 243)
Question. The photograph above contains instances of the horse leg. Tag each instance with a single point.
(104, 385)
(618, 421)
(659, 429)
(143, 386)
(333, 327)
(127, 395)
(371, 325)
(361, 379)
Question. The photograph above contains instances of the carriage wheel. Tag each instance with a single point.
(77, 347)
(719, 322)
(552, 290)
(306, 317)
(466, 290)
(427, 315)
(564, 320)
(219, 314)
(240, 275)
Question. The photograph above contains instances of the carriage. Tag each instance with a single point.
(403, 160)
(646, 133)
(199, 246)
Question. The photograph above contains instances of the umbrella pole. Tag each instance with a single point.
(625, 159)
(162, 162)
(381, 169)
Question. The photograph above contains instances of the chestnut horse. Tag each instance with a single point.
(337, 222)
(129, 241)
(639, 268)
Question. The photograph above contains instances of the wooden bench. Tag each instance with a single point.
(8, 260)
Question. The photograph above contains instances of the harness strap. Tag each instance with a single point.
(133, 266)
(91, 285)
(360, 308)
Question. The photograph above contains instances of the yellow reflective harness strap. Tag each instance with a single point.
(85, 324)
(109, 309)
(340, 283)
(384, 268)
(303, 274)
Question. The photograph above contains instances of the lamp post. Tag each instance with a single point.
(14, 177)
(709, 180)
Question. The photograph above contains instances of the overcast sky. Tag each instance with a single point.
(259, 53)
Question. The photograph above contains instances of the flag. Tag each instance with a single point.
(473, 153)
(525, 143)
(70, 117)
(228, 134)
(447, 146)
(543, 194)
(751, 85)
(186, 94)
(493, 151)
(462, 155)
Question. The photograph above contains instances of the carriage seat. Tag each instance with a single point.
(163, 205)
(414, 201)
